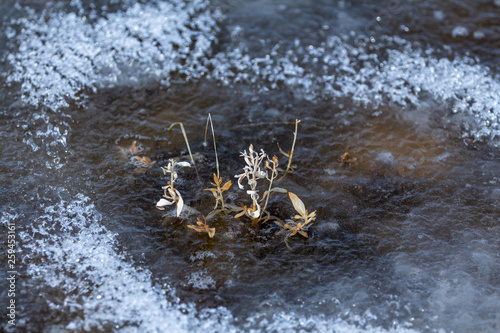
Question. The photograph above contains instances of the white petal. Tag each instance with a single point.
(256, 213)
(240, 178)
(183, 164)
(180, 204)
(163, 202)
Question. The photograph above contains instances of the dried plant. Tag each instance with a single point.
(252, 172)
(202, 226)
(217, 190)
(144, 161)
(171, 195)
(347, 159)
(133, 149)
(271, 175)
(294, 225)
(289, 167)
(258, 166)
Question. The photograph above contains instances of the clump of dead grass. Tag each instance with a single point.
(257, 179)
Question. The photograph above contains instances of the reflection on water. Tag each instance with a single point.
(405, 238)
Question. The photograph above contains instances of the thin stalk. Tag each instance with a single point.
(172, 180)
(293, 145)
(267, 198)
(215, 146)
(221, 198)
(185, 139)
(274, 174)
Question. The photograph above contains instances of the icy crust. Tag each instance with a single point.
(396, 73)
(292, 323)
(161, 42)
(68, 249)
(471, 88)
(62, 54)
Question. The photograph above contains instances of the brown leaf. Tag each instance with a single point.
(199, 229)
(217, 181)
(297, 203)
(303, 233)
(243, 211)
(226, 186)
(282, 152)
(348, 159)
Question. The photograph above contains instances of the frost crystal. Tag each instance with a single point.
(61, 55)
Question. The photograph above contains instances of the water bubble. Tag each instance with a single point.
(459, 31)
(438, 15)
(479, 34)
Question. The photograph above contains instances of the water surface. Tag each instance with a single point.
(406, 238)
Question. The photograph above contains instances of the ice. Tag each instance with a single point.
(479, 34)
(54, 133)
(68, 249)
(439, 15)
(337, 69)
(470, 87)
(61, 54)
(74, 253)
(291, 322)
(62, 57)
(201, 281)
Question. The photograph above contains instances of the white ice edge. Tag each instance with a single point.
(69, 249)
(58, 58)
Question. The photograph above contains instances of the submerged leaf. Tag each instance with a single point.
(346, 158)
(145, 160)
(202, 227)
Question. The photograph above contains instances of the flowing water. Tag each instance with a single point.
(406, 239)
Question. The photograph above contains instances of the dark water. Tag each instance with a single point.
(406, 238)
